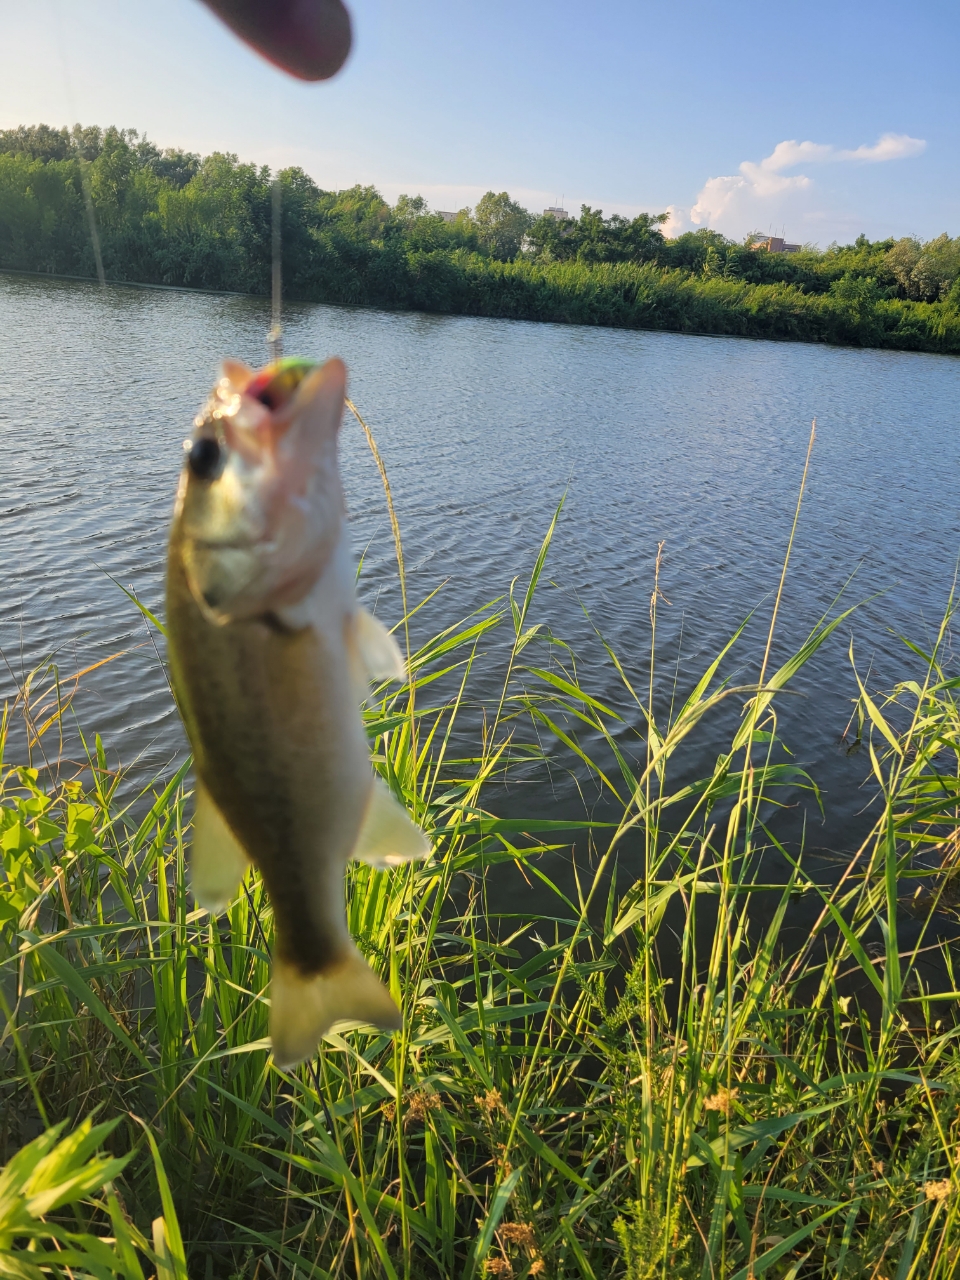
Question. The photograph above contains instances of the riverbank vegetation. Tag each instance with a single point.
(633, 1070)
(174, 218)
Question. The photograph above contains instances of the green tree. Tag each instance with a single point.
(713, 263)
(925, 272)
(901, 261)
(546, 238)
(593, 238)
(86, 142)
(938, 267)
(409, 208)
(502, 224)
(37, 142)
(691, 250)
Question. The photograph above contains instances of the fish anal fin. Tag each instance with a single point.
(388, 837)
(217, 860)
(379, 652)
(304, 1007)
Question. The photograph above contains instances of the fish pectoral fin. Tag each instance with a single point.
(304, 1007)
(379, 652)
(217, 860)
(388, 836)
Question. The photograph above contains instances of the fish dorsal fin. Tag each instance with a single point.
(379, 651)
(217, 860)
(388, 837)
(236, 373)
(304, 1007)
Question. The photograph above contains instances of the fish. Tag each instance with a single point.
(271, 658)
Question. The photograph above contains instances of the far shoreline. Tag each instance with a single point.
(472, 315)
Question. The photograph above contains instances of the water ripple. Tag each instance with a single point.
(484, 425)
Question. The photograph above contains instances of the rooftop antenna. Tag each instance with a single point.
(275, 336)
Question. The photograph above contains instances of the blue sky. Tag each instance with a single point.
(702, 108)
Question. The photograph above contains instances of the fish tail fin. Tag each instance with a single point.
(303, 1007)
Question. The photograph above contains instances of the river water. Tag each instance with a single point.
(696, 442)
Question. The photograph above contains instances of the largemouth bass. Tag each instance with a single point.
(271, 656)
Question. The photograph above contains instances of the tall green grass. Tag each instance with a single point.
(640, 1079)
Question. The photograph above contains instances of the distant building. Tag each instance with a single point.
(776, 244)
(561, 215)
(446, 216)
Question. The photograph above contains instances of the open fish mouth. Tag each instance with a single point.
(259, 546)
(235, 544)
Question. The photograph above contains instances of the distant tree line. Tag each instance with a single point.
(172, 217)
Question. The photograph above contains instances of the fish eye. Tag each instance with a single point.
(205, 458)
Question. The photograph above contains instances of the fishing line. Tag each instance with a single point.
(275, 345)
(275, 336)
(91, 220)
(81, 161)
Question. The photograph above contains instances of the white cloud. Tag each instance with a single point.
(762, 191)
(892, 146)
(787, 155)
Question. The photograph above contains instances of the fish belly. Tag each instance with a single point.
(272, 717)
